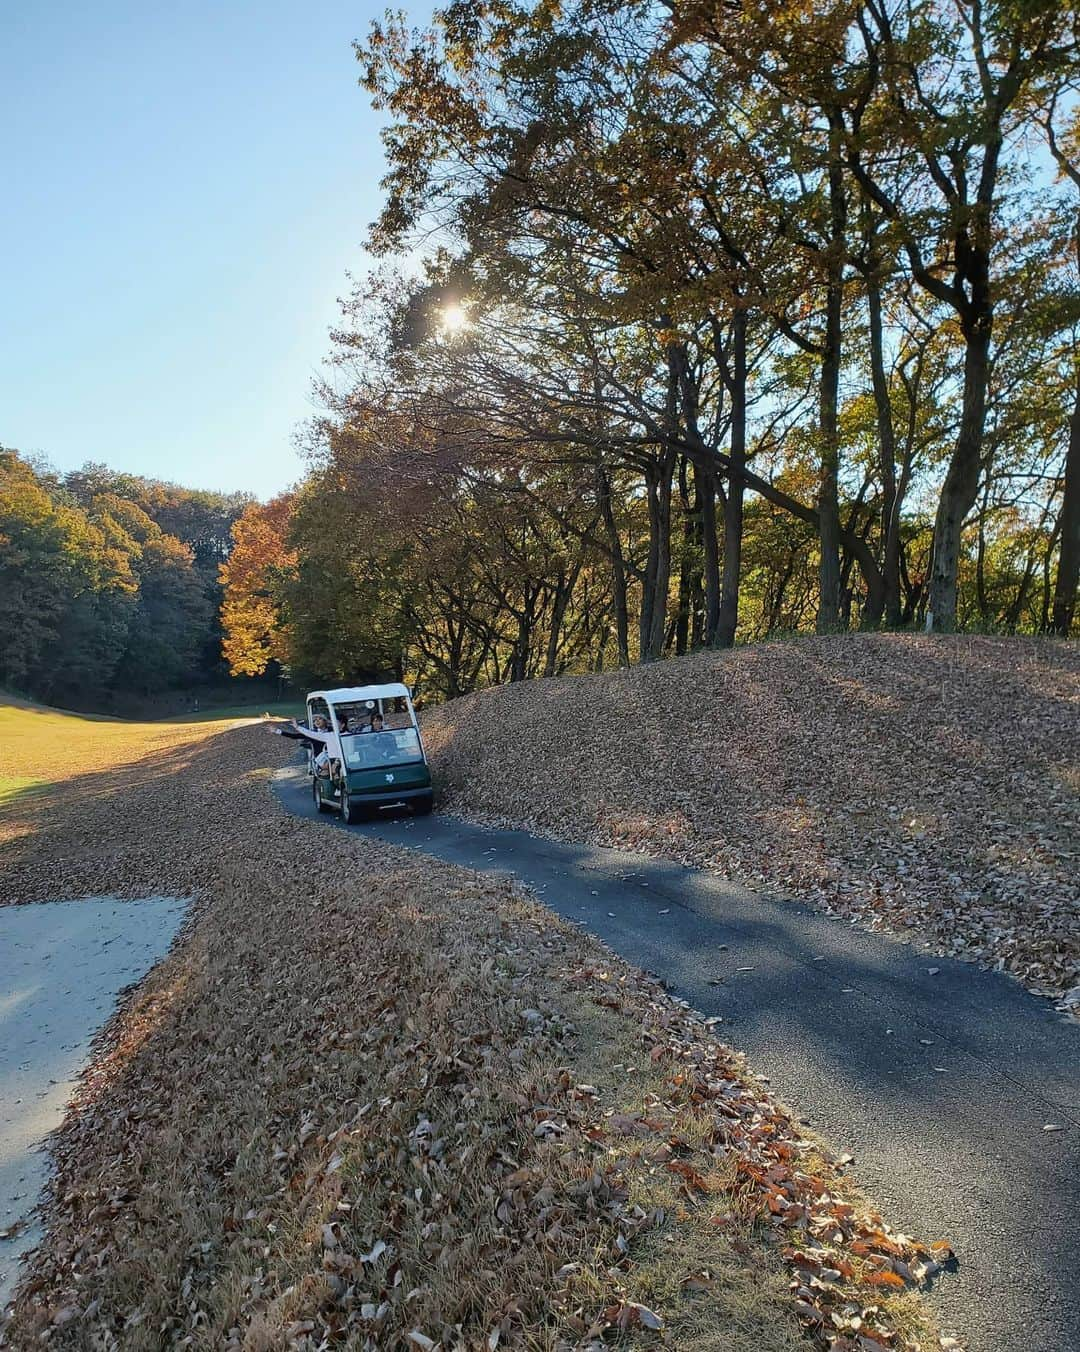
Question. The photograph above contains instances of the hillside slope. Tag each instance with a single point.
(927, 784)
(373, 1101)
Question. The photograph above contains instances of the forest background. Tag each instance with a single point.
(109, 588)
(695, 325)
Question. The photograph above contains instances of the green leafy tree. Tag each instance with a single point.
(66, 591)
(170, 617)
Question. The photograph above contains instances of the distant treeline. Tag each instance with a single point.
(108, 582)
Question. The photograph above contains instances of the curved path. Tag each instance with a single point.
(938, 1077)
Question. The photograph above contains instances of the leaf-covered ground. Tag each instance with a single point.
(375, 1103)
(930, 785)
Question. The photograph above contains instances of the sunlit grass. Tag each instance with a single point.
(41, 747)
(13, 787)
(285, 708)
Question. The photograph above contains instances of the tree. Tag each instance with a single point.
(257, 568)
(171, 611)
(66, 592)
(1064, 145)
(953, 84)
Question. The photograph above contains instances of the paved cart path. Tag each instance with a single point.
(62, 965)
(940, 1084)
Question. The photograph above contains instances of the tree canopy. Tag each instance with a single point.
(727, 322)
(108, 582)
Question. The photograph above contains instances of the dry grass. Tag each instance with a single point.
(378, 1103)
(924, 784)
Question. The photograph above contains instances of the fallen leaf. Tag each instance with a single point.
(884, 1279)
(375, 1252)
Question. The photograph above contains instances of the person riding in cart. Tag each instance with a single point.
(360, 766)
(313, 738)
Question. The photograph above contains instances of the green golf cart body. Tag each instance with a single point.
(369, 771)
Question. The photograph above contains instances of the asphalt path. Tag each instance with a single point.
(62, 965)
(938, 1077)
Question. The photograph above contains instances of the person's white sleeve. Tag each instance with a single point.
(316, 735)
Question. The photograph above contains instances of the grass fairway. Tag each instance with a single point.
(380, 1102)
(286, 708)
(19, 786)
(40, 747)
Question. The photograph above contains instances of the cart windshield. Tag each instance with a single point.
(371, 750)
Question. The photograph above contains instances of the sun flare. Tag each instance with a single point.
(454, 318)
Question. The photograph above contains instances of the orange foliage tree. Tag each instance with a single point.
(260, 561)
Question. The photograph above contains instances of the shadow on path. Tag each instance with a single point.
(937, 1076)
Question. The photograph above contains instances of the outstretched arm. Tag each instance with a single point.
(312, 734)
(294, 734)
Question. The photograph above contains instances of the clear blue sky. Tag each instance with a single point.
(186, 186)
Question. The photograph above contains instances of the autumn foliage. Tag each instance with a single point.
(727, 322)
(250, 617)
(108, 582)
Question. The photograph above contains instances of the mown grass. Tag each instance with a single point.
(44, 747)
(20, 787)
(286, 708)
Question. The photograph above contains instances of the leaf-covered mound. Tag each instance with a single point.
(380, 1103)
(929, 784)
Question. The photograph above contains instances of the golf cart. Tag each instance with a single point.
(375, 760)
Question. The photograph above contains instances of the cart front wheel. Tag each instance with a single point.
(316, 796)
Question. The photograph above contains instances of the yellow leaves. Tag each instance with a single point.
(250, 610)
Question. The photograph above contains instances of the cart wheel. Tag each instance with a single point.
(422, 806)
(348, 812)
(316, 796)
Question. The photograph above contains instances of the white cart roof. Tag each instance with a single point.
(356, 694)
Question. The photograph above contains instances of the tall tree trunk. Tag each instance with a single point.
(519, 662)
(828, 615)
(705, 483)
(658, 572)
(980, 556)
(687, 568)
(728, 618)
(618, 566)
(890, 502)
(1050, 549)
(1068, 575)
(961, 485)
(658, 484)
(652, 563)
(564, 590)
